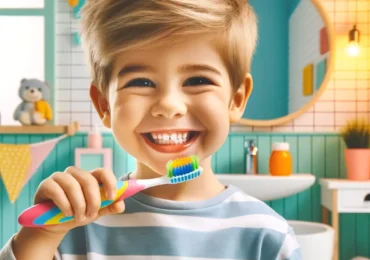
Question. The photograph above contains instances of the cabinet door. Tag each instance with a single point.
(22, 55)
(22, 4)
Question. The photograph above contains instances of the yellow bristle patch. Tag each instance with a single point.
(181, 161)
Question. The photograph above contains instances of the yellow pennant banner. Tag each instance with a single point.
(15, 164)
(18, 162)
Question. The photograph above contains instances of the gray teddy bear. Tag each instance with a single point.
(34, 109)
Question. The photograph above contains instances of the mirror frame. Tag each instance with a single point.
(330, 67)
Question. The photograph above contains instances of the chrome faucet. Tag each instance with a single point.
(251, 156)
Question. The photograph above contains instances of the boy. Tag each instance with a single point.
(169, 76)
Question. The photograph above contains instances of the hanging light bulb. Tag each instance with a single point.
(353, 48)
(73, 3)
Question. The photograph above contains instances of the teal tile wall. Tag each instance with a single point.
(320, 154)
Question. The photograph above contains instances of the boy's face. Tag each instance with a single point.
(170, 102)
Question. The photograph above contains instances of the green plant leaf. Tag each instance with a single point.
(356, 134)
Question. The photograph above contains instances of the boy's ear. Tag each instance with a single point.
(240, 98)
(101, 105)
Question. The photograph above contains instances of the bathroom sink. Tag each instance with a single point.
(266, 187)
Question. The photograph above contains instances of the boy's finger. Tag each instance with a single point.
(53, 191)
(90, 188)
(108, 179)
(115, 208)
(74, 193)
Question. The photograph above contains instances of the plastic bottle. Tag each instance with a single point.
(95, 139)
(280, 160)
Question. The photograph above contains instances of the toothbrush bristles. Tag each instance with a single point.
(183, 169)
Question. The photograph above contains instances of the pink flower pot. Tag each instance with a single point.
(357, 164)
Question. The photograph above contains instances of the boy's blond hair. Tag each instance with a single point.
(112, 26)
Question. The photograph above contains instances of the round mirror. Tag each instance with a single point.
(292, 62)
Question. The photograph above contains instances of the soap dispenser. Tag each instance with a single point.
(95, 139)
(251, 156)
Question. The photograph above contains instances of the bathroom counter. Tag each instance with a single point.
(343, 196)
(344, 184)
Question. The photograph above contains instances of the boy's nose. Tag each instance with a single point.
(169, 106)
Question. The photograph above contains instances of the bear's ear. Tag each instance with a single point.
(23, 80)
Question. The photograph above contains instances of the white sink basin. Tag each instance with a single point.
(266, 187)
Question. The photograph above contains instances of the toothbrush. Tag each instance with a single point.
(178, 170)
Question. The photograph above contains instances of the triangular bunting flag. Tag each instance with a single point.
(15, 163)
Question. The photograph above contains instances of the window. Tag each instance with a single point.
(27, 50)
(22, 56)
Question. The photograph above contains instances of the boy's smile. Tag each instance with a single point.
(171, 140)
(170, 101)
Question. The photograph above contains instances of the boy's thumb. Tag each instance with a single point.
(115, 208)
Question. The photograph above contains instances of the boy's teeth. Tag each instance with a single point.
(171, 138)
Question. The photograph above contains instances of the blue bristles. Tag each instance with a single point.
(183, 169)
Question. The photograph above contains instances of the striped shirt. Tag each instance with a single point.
(231, 225)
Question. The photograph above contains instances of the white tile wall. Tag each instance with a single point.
(73, 76)
(346, 96)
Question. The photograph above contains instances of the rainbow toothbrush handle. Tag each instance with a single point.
(48, 213)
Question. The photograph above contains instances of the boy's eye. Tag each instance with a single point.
(140, 83)
(196, 81)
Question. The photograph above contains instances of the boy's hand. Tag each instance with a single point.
(76, 193)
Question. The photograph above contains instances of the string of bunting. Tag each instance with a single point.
(19, 162)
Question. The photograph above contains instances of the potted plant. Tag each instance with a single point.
(356, 135)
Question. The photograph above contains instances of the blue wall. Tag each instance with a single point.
(319, 154)
(270, 62)
(292, 5)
